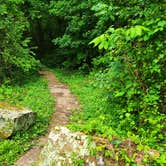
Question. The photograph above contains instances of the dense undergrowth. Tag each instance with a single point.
(32, 93)
(98, 118)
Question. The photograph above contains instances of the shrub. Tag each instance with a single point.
(15, 53)
(133, 68)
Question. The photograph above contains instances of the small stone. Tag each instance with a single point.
(100, 161)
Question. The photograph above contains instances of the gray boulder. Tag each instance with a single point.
(65, 147)
(13, 119)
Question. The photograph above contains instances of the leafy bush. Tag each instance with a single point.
(133, 74)
(15, 53)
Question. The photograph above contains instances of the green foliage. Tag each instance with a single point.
(133, 70)
(34, 94)
(129, 63)
(76, 160)
(77, 26)
(99, 118)
(15, 54)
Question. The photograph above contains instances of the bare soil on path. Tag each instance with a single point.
(65, 103)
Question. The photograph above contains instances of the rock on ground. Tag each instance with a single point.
(14, 119)
(65, 147)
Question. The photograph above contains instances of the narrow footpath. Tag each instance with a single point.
(65, 103)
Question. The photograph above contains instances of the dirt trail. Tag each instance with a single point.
(65, 103)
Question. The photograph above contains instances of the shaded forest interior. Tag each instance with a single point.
(120, 44)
